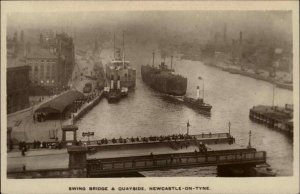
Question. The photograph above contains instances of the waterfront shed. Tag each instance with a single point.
(58, 106)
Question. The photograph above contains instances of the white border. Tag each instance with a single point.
(217, 185)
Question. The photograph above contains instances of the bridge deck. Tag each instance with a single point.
(96, 167)
(155, 149)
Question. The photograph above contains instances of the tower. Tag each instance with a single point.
(225, 33)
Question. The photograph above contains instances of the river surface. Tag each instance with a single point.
(146, 112)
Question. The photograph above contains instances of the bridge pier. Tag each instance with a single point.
(244, 170)
(237, 170)
(77, 160)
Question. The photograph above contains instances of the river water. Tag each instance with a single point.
(146, 112)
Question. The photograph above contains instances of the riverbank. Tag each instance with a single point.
(282, 79)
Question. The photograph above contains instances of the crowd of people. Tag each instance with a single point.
(77, 104)
(23, 146)
(49, 145)
(39, 116)
(161, 138)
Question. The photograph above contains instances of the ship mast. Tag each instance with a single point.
(153, 58)
(114, 45)
(123, 51)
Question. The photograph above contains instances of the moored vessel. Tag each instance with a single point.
(163, 79)
(120, 76)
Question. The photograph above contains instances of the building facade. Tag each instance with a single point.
(66, 58)
(43, 71)
(17, 88)
(51, 61)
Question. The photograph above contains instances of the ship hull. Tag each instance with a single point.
(113, 96)
(163, 81)
(127, 76)
(197, 104)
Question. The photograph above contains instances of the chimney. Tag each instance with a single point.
(171, 62)
(153, 59)
(112, 82)
(198, 93)
(241, 37)
(225, 33)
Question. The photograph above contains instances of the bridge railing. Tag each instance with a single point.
(173, 161)
(155, 139)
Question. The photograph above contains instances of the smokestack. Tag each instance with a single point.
(118, 84)
(123, 58)
(114, 46)
(225, 33)
(198, 93)
(171, 62)
(153, 59)
(111, 84)
(241, 37)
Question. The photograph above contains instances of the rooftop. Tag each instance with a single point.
(40, 53)
(15, 62)
(59, 103)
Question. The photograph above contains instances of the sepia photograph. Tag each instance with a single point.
(165, 97)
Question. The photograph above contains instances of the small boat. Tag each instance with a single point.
(197, 104)
(114, 95)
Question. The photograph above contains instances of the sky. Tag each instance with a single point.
(189, 24)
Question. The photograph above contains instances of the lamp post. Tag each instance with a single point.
(249, 144)
(203, 89)
(187, 127)
(88, 134)
(229, 124)
(200, 78)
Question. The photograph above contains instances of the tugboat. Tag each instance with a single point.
(115, 93)
(120, 76)
(194, 103)
(197, 103)
(163, 79)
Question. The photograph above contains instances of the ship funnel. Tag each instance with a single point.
(118, 84)
(198, 93)
(112, 84)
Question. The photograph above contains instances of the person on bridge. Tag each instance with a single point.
(23, 151)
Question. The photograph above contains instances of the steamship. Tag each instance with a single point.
(163, 79)
(194, 103)
(120, 76)
(197, 103)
